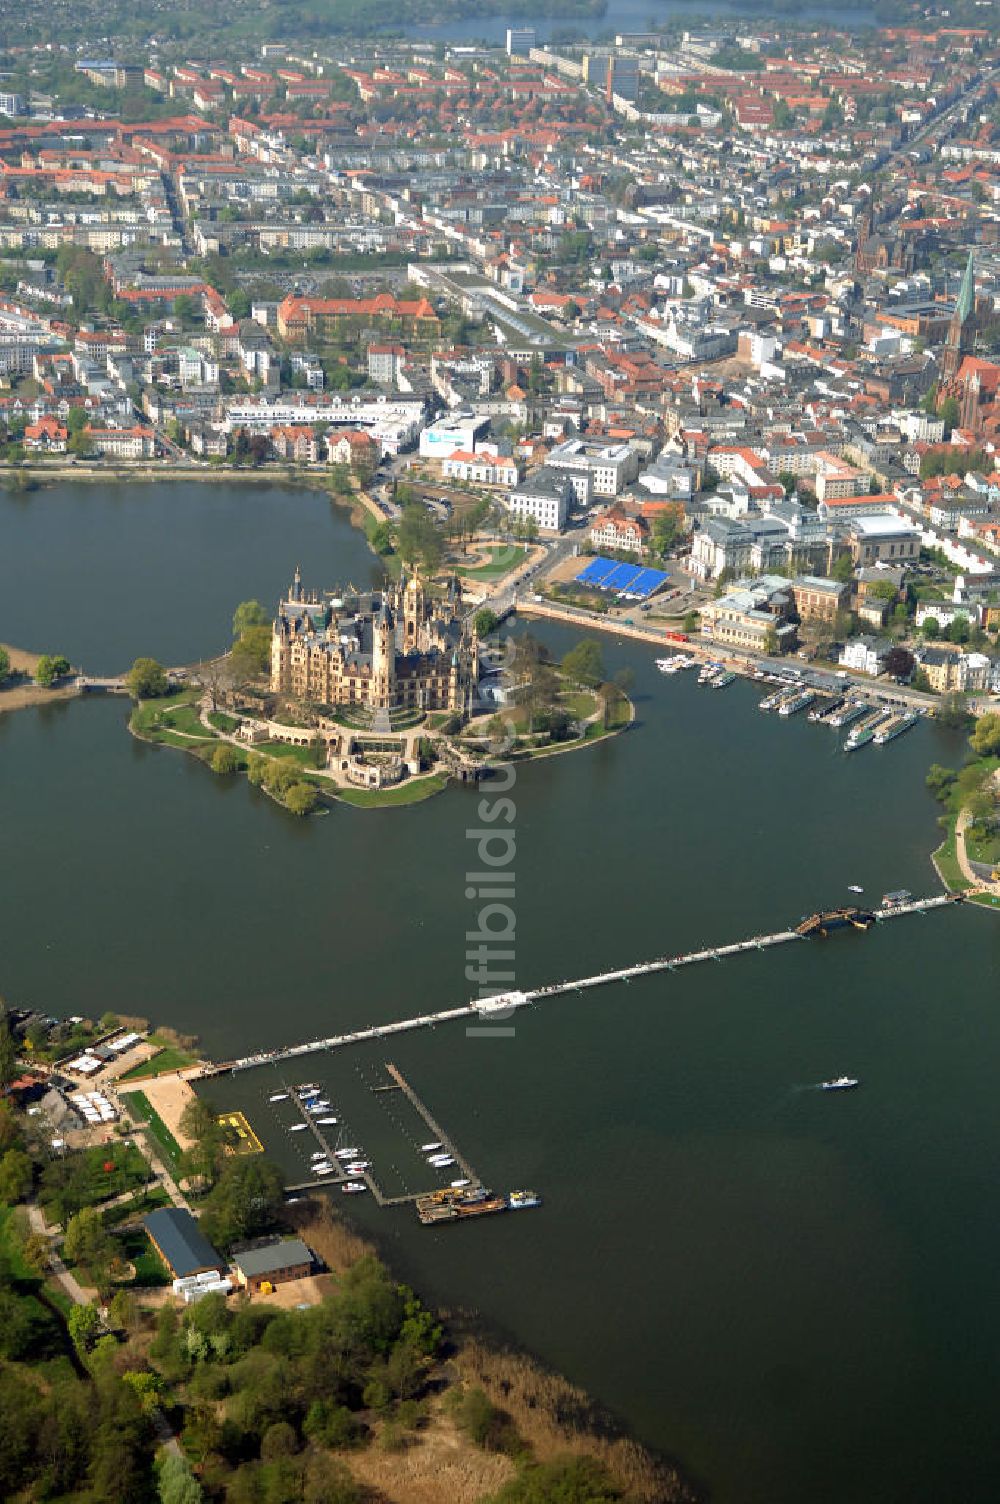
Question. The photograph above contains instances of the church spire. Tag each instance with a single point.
(967, 292)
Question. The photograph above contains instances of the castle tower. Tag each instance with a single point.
(959, 341)
(383, 658)
(414, 611)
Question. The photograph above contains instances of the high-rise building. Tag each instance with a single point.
(520, 40)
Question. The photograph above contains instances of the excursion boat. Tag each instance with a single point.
(721, 681)
(278, 1096)
(353, 1187)
(852, 711)
(840, 1083)
(895, 728)
(796, 703)
(518, 1200)
(896, 898)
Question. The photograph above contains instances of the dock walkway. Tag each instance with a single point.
(480, 1010)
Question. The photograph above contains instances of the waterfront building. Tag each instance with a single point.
(865, 655)
(395, 648)
(181, 1244)
(272, 1262)
(754, 615)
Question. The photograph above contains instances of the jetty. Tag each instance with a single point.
(481, 1010)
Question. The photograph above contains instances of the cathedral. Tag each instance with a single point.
(383, 650)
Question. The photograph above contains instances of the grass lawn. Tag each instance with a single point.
(150, 1270)
(178, 713)
(125, 1211)
(503, 558)
(579, 704)
(947, 864)
(143, 1111)
(411, 792)
(167, 1059)
(983, 848)
(305, 756)
(223, 722)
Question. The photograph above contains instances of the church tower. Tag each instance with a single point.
(383, 658)
(961, 330)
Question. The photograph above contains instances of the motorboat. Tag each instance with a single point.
(429, 1148)
(298, 1128)
(840, 1083)
(278, 1096)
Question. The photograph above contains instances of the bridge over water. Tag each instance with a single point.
(482, 1010)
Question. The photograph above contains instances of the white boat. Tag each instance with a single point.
(298, 1128)
(326, 1122)
(442, 1164)
(319, 1155)
(427, 1148)
(323, 1169)
(840, 1083)
(353, 1187)
(456, 1185)
(347, 1153)
(853, 888)
(355, 1173)
(278, 1096)
(360, 1164)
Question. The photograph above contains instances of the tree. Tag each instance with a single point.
(183, 307)
(8, 1051)
(147, 680)
(690, 622)
(953, 712)
(578, 1480)
(15, 1176)
(245, 1201)
(985, 739)
(301, 798)
(4, 664)
(84, 1324)
(950, 412)
(418, 539)
(899, 663)
(843, 569)
(175, 1483)
(87, 1242)
(248, 614)
(789, 481)
(485, 621)
(225, 760)
(76, 420)
(771, 641)
(931, 628)
(584, 663)
(252, 654)
(49, 668)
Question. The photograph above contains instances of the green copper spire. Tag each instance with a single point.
(967, 291)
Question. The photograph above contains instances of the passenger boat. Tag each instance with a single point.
(795, 703)
(840, 1083)
(518, 1200)
(851, 711)
(895, 728)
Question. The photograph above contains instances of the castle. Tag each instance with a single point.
(380, 650)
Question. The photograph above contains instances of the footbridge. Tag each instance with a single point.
(504, 1004)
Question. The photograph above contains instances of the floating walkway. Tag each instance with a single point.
(483, 1009)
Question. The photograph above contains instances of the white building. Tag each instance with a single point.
(865, 655)
(595, 469)
(544, 497)
(454, 431)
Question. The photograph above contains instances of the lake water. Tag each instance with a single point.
(792, 1292)
(637, 16)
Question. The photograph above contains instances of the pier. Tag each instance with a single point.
(481, 1010)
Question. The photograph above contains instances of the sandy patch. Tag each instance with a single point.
(169, 1095)
(298, 1292)
(21, 695)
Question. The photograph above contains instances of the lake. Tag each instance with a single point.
(792, 1292)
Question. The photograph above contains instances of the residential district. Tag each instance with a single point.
(724, 304)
